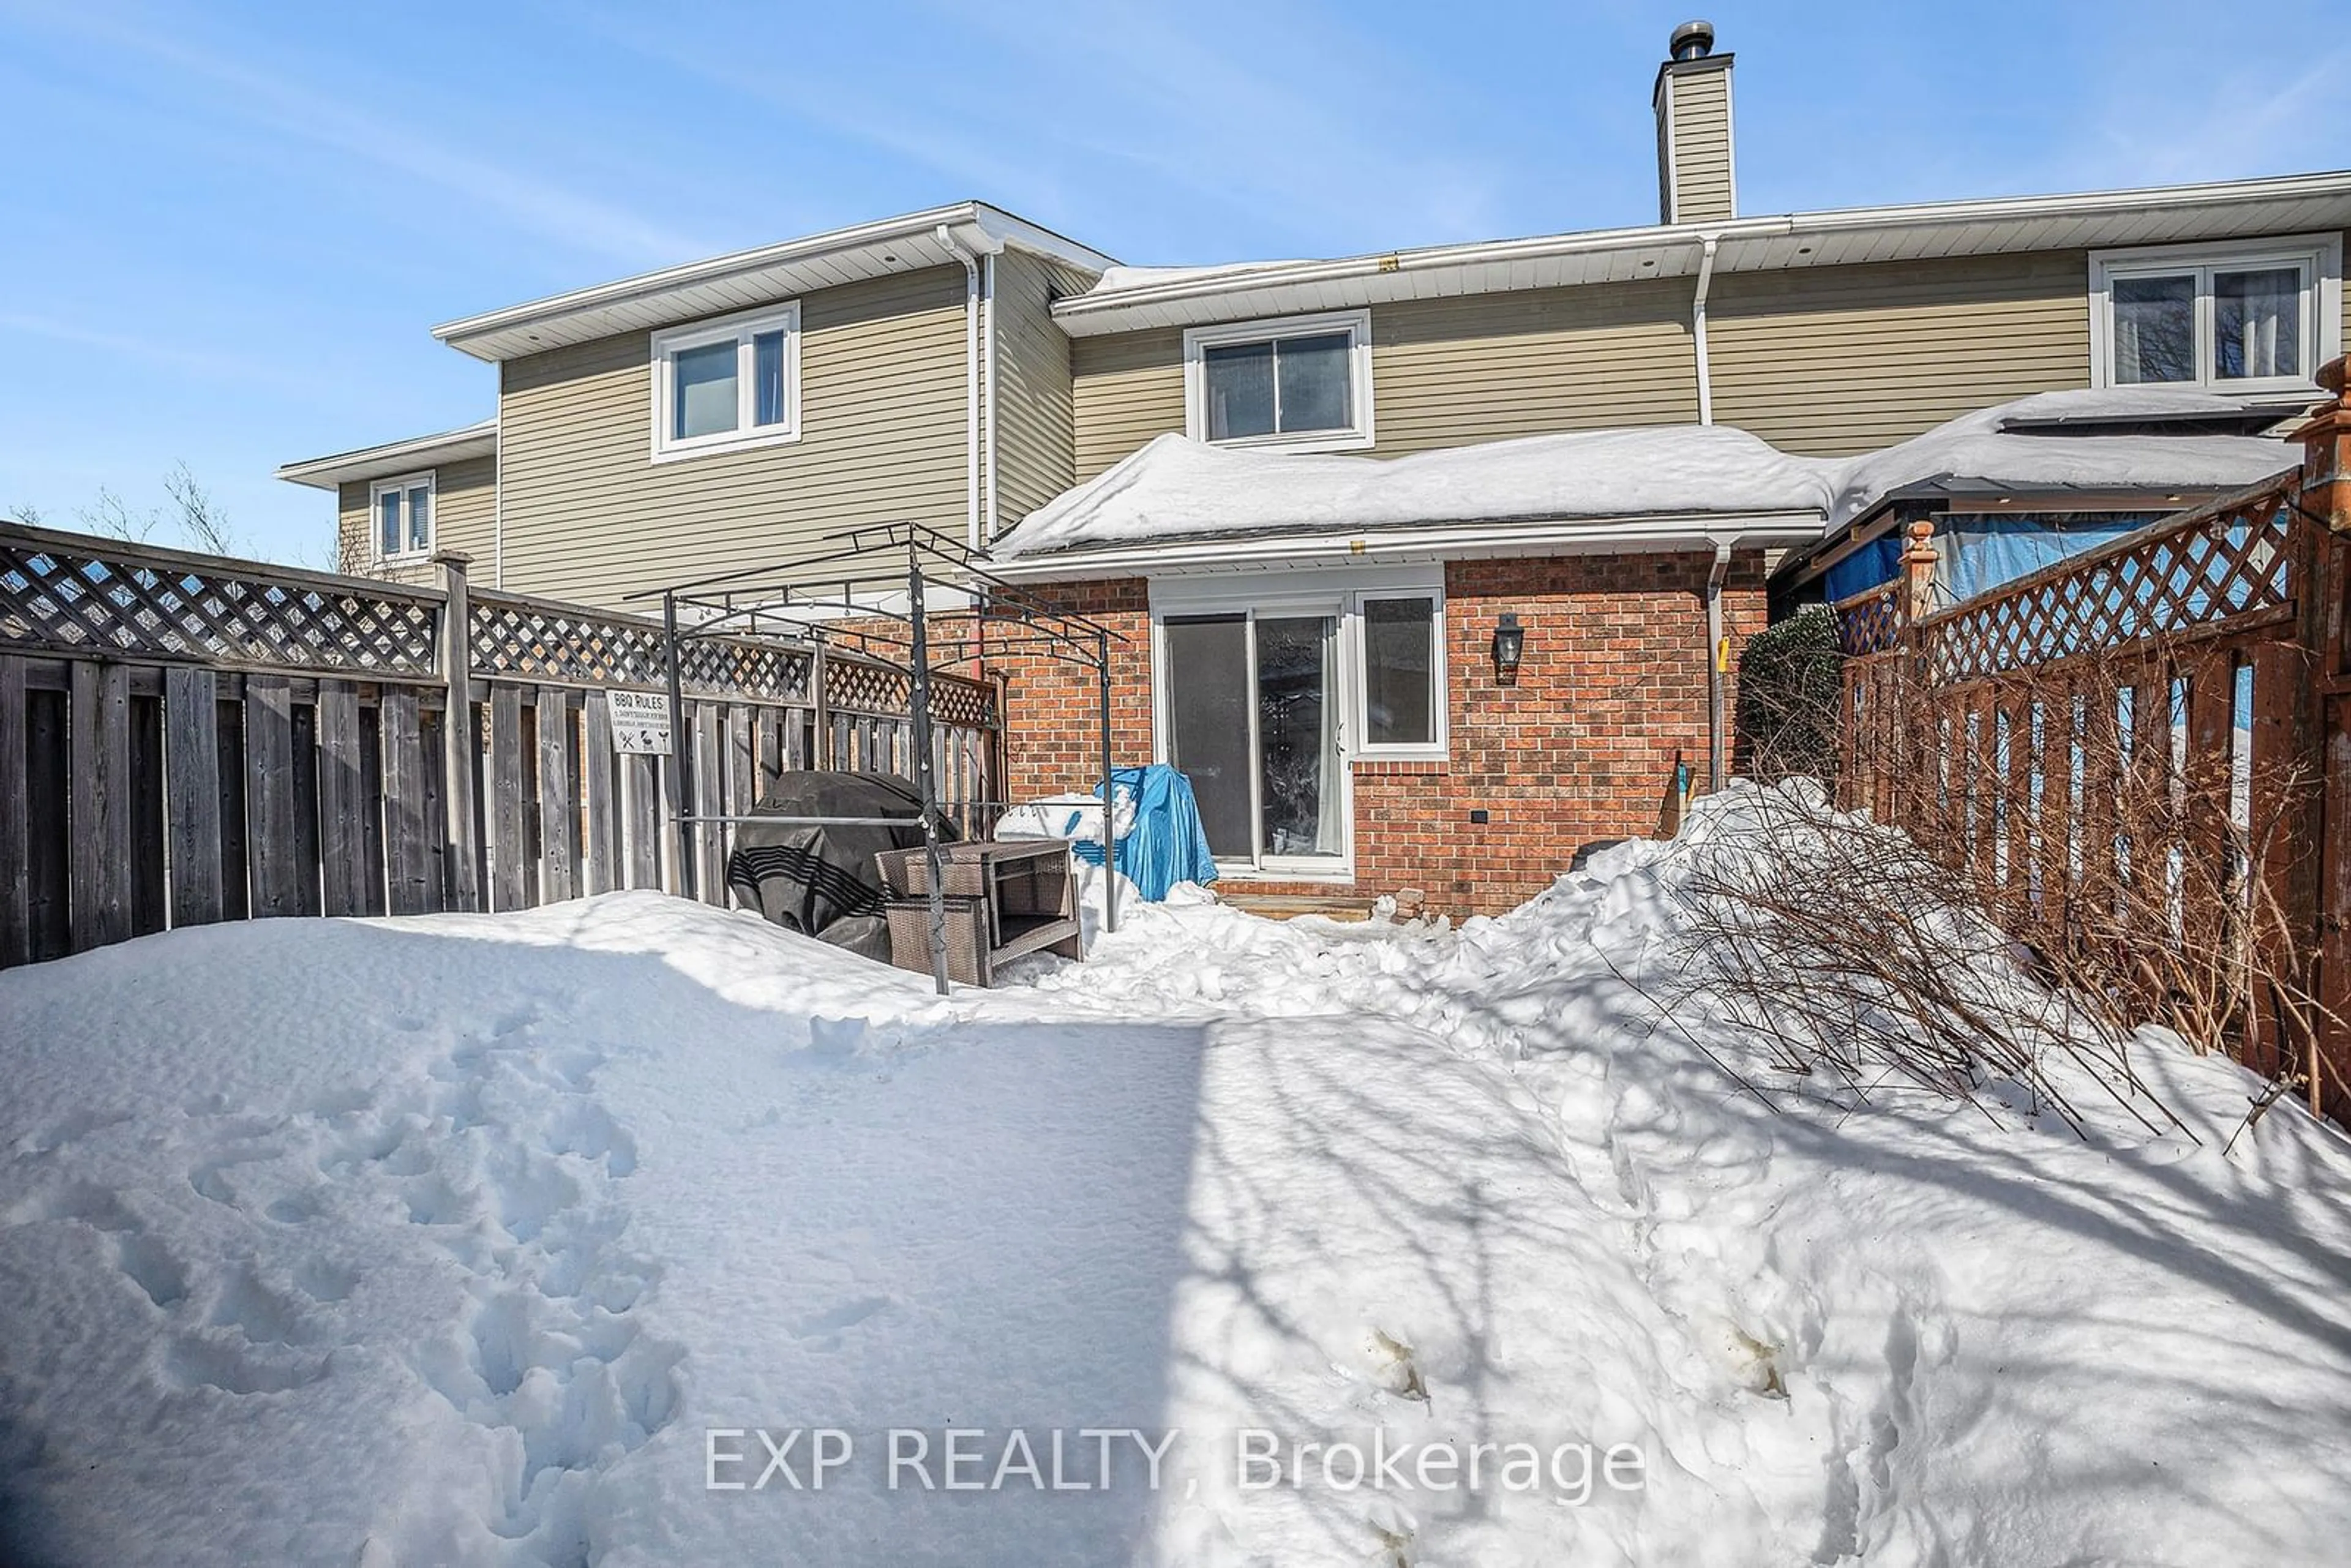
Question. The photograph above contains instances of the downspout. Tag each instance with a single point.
(970, 380)
(988, 336)
(497, 490)
(1698, 330)
(1717, 657)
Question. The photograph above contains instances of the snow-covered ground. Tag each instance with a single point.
(495, 1239)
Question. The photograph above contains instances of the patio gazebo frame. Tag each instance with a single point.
(852, 575)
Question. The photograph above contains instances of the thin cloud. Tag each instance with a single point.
(326, 120)
(808, 97)
(2249, 123)
(150, 351)
(1175, 98)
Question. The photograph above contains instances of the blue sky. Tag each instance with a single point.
(229, 226)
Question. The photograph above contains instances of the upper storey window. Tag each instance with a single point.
(720, 386)
(2236, 317)
(1301, 382)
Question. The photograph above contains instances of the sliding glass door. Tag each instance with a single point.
(1253, 721)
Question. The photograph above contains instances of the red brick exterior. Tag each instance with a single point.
(1580, 747)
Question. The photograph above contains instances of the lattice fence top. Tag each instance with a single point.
(89, 596)
(2206, 569)
(540, 639)
(1869, 623)
(853, 686)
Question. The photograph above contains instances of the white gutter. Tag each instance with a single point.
(1698, 330)
(2007, 212)
(1450, 541)
(953, 247)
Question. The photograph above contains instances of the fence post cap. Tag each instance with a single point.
(456, 558)
(2331, 375)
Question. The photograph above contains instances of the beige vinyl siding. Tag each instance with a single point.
(1125, 389)
(1849, 359)
(589, 515)
(1035, 452)
(1445, 372)
(1701, 149)
(464, 518)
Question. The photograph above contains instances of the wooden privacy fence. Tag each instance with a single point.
(2142, 757)
(186, 738)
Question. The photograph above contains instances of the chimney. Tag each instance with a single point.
(1692, 99)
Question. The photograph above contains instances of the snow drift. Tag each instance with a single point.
(464, 1239)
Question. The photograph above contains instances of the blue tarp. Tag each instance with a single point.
(1166, 845)
(1977, 552)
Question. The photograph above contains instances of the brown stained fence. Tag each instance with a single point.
(187, 739)
(2142, 758)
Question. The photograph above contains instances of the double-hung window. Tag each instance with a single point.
(1301, 382)
(2252, 317)
(721, 386)
(403, 511)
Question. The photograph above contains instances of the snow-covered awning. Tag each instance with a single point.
(1181, 505)
(1648, 487)
(2148, 443)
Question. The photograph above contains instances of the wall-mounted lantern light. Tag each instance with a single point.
(1509, 646)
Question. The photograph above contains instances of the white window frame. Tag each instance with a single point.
(426, 480)
(1308, 591)
(1360, 669)
(740, 329)
(2319, 257)
(1357, 324)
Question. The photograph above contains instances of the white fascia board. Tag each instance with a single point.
(1597, 535)
(1743, 244)
(978, 228)
(478, 440)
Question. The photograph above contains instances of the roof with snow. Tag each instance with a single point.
(1177, 489)
(1178, 498)
(2138, 442)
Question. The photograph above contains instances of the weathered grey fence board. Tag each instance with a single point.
(374, 892)
(344, 873)
(424, 751)
(97, 729)
(192, 785)
(557, 813)
(235, 837)
(144, 803)
(269, 796)
(599, 863)
(641, 804)
(410, 873)
(432, 728)
(305, 722)
(742, 766)
(47, 767)
(15, 818)
(504, 806)
(709, 800)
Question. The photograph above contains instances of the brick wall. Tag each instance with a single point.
(1580, 747)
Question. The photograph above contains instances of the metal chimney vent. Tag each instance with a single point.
(1691, 41)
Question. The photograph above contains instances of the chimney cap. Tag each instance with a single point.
(1693, 40)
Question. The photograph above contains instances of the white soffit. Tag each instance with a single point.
(1141, 298)
(745, 278)
(477, 440)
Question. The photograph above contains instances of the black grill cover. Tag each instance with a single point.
(819, 879)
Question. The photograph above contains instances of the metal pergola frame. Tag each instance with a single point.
(805, 594)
